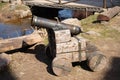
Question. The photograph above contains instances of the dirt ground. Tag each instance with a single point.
(33, 64)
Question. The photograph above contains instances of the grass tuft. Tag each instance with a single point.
(105, 30)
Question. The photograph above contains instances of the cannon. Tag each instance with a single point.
(49, 24)
(66, 47)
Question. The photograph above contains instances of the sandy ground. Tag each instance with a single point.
(33, 64)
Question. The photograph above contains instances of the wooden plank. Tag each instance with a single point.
(76, 4)
(69, 46)
(110, 13)
(19, 42)
(62, 36)
(72, 56)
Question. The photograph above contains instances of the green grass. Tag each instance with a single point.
(111, 33)
(2, 4)
(88, 24)
(105, 30)
(89, 20)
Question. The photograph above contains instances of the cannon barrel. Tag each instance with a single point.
(50, 24)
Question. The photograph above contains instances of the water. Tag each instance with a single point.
(15, 28)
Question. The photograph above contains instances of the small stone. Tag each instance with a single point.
(93, 33)
(97, 13)
(12, 6)
(22, 73)
(118, 14)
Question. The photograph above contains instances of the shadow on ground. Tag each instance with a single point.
(40, 55)
(6, 74)
(114, 71)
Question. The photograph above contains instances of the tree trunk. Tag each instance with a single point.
(110, 13)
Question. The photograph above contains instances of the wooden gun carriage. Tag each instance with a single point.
(65, 47)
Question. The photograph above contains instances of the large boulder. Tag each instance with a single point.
(72, 21)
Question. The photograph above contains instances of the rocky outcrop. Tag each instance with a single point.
(72, 21)
(13, 11)
(12, 1)
(23, 13)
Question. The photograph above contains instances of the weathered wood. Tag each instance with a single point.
(82, 48)
(96, 61)
(79, 14)
(104, 4)
(75, 49)
(59, 1)
(110, 13)
(68, 46)
(74, 4)
(72, 56)
(61, 66)
(62, 36)
(19, 42)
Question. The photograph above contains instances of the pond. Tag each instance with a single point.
(16, 28)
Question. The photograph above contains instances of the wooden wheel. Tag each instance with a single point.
(97, 61)
(61, 66)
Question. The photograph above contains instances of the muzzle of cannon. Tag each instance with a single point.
(50, 24)
(63, 48)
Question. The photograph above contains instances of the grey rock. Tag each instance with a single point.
(12, 6)
(23, 13)
(93, 33)
(72, 21)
